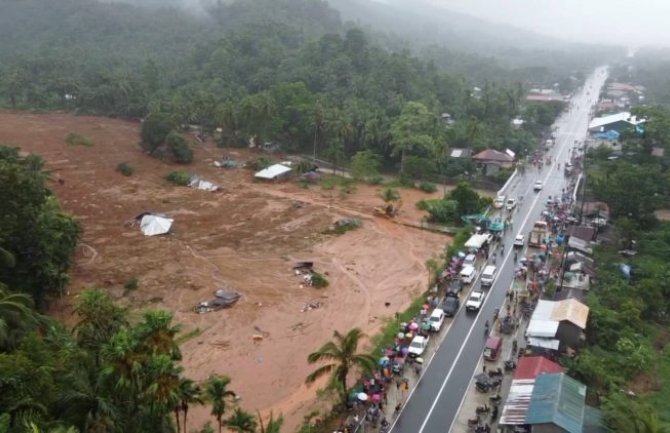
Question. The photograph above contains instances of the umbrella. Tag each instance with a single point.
(413, 326)
(426, 306)
(362, 396)
(409, 335)
(425, 326)
(405, 350)
(401, 335)
(383, 360)
(419, 360)
(376, 397)
(482, 378)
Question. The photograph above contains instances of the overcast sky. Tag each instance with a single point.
(629, 22)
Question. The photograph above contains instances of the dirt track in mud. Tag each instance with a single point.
(246, 237)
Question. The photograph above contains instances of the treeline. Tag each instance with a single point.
(114, 371)
(627, 362)
(287, 72)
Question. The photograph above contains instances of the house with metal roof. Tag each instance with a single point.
(492, 160)
(515, 409)
(557, 404)
(556, 325)
(617, 122)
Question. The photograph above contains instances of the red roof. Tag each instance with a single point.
(493, 155)
(529, 367)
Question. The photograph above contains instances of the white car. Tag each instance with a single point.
(436, 319)
(499, 202)
(511, 203)
(475, 301)
(538, 185)
(418, 346)
(519, 241)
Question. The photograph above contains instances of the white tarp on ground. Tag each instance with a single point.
(152, 225)
(203, 184)
(273, 171)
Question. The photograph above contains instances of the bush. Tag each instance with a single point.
(428, 187)
(375, 180)
(258, 163)
(125, 169)
(328, 184)
(155, 130)
(74, 139)
(319, 281)
(179, 147)
(423, 204)
(131, 285)
(180, 178)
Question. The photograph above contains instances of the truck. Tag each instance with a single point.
(537, 234)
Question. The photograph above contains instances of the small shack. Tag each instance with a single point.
(557, 324)
(274, 172)
(154, 224)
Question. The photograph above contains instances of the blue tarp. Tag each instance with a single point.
(610, 135)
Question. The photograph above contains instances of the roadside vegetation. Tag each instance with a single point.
(626, 363)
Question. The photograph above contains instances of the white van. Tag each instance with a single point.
(488, 275)
(470, 260)
(468, 274)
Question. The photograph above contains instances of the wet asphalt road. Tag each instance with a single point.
(435, 401)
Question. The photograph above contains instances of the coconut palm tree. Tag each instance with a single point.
(216, 391)
(157, 334)
(188, 393)
(16, 316)
(241, 422)
(343, 357)
(272, 425)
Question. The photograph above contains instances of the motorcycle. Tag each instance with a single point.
(496, 373)
(482, 409)
(510, 365)
(495, 399)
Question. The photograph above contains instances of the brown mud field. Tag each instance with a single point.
(246, 238)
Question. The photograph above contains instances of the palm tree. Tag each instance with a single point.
(188, 393)
(216, 391)
(16, 316)
(343, 356)
(241, 422)
(157, 334)
(272, 426)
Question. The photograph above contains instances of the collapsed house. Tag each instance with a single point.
(154, 224)
(203, 185)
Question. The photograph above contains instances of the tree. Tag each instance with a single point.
(365, 164)
(188, 393)
(179, 147)
(412, 131)
(342, 356)
(99, 319)
(272, 426)
(389, 195)
(216, 392)
(16, 318)
(156, 334)
(155, 130)
(467, 198)
(241, 422)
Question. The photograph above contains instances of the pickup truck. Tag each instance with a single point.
(475, 301)
(418, 346)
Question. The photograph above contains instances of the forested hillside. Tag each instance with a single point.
(285, 71)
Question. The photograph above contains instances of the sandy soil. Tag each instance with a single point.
(245, 238)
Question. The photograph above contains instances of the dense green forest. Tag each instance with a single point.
(627, 362)
(287, 71)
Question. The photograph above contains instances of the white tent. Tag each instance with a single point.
(476, 241)
(273, 172)
(152, 225)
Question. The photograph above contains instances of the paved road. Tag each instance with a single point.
(435, 401)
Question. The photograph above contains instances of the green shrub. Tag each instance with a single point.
(423, 204)
(375, 180)
(179, 147)
(259, 163)
(319, 281)
(74, 139)
(132, 285)
(428, 187)
(328, 184)
(125, 169)
(180, 178)
(155, 130)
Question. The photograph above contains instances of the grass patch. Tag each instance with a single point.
(74, 139)
(318, 280)
(342, 226)
(428, 187)
(132, 285)
(125, 169)
(392, 326)
(190, 334)
(180, 178)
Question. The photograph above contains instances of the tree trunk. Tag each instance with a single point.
(343, 381)
(176, 416)
(220, 423)
(184, 408)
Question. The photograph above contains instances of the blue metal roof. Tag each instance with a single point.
(557, 399)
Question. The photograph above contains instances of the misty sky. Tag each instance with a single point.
(623, 22)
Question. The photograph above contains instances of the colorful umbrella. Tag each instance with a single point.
(362, 396)
(413, 326)
(376, 397)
